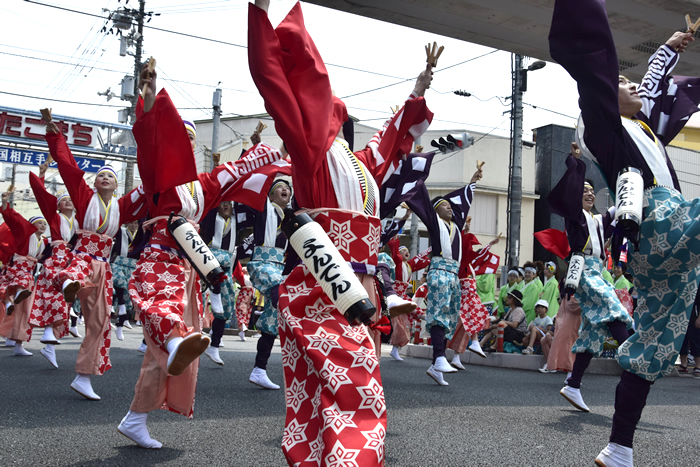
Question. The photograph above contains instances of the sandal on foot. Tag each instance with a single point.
(682, 369)
(696, 372)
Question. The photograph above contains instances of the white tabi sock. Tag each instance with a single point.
(173, 344)
(122, 310)
(48, 334)
(216, 305)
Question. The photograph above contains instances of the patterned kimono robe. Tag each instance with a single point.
(665, 266)
(100, 222)
(20, 274)
(49, 307)
(267, 262)
(334, 395)
(165, 289)
(444, 290)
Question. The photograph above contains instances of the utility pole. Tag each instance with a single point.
(515, 188)
(515, 185)
(216, 104)
(129, 178)
(12, 183)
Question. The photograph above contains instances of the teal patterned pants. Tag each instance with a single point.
(665, 276)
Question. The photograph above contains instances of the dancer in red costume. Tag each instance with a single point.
(50, 310)
(100, 215)
(18, 280)
(405, 265)
(165, 289)
(335, 399)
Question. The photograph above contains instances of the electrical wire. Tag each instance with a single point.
(411, 79)
(79, 103)
(245, 47)
(552, 111)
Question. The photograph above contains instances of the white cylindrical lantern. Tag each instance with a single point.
(629, 201)
(329, 268)
(577, 263)
(195, 250)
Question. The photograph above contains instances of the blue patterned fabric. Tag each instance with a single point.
(265, 270)
(228, 292)
(665, 276)
(122, 269)
(386, 259)
(444, 295)
(599, 306)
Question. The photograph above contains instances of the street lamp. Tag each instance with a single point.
(539, 64)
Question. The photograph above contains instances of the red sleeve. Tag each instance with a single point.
(80, 192)
(20, 228)
(292, 79)
(133, 205)
(243, 180)
(164, 154)
(395, 139)
(7, 244)
(421, 260)
(238, 274)
(394, 245)
(48, 204)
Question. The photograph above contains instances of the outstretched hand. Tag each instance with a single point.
(407, 215)
(255, 138)
(575, 151)
(477, 176)
(52, 128)
(149, 81)
(679, 41)
(42, 168)
(423, 81)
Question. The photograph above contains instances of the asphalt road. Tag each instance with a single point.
(486, 417)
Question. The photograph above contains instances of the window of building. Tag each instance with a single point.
(484, 213)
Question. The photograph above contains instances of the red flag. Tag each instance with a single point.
(555, 241)
(485, 262)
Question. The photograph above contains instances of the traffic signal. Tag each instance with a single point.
(453, 142)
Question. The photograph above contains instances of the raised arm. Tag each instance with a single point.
(292, 79)
(246, 180)
(581, 41)
(164, 154)
(80, 192)
(48, 203)
(20, 227)
(395, 139)
(565, 198)
(461, 201)
(668, 101)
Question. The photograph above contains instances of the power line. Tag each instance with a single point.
(245, 47)
(410, 79)
(552, 111)
(80, 103)
(117, 71)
